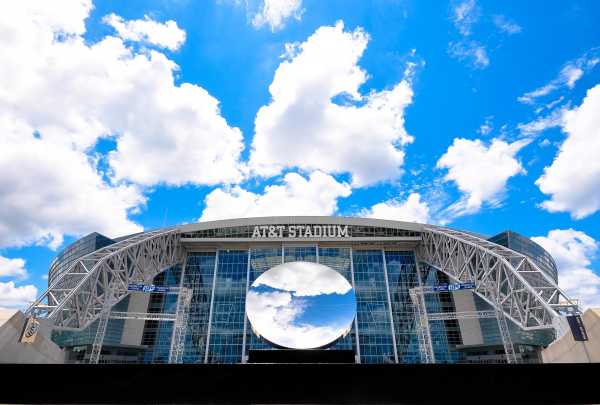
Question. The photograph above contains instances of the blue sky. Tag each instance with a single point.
(122, 116)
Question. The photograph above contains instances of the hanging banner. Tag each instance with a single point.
(453, 287)
(148, 288)
(577, 328)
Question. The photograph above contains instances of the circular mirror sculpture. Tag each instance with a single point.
(301, 305)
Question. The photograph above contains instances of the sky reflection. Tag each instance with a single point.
(301, 305)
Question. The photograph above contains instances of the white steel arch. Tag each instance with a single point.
(508, 280)
(78, 296)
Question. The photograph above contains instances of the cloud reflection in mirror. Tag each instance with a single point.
(301, 305)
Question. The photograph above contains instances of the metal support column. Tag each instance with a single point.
(422, 320)
(389, 299)
(355, 319)
(244, 359)
(210, 313)
(180, 325)
(101, 331)
(509, 348)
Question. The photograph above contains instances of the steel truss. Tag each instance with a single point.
(79, 295)
(422, 319)
(511, 282)
(179, 318)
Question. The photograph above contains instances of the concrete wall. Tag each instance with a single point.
(470, 329)
(133, 329)
(567, 350)
(43, 350)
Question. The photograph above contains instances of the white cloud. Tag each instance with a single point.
(303, 127)
(48, 190)
(571, 72)
(165, 35)
(60, 94)
(12, 267)
(552, 120)
(12, 296)
(276, 12)
(470, 51)
(486, 127)
(506, 25)
(480, 171)
(573, 252)
(573, 178)
(464, 15)
(412, 210)
(316, 195)
(274, 318)
(73, 93)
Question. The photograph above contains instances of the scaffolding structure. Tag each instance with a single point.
(179, 319)
(422, 319)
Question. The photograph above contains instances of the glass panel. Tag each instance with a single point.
(402, 276)
(228, 312)
(199, 273)
(375, 337)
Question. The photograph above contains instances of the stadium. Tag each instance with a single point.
(423, 293)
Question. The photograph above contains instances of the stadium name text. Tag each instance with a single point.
(300, 231)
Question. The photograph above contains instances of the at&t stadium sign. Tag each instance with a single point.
(300, 231)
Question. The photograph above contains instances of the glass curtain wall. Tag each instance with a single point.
(226, 332)
(402, 276)
(198, 276)
(228, 308)
(374, 326)
(157, 334)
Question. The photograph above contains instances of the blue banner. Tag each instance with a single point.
(147, 288)
(453, 287)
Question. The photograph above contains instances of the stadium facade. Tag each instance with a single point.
(424, 293)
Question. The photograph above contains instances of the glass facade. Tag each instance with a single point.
(526, 246)
(77, 249)
(356, 231)
(218, 330)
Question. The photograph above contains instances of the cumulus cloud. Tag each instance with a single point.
(573, 252)
(60, 94)
(573, 178)
(275, 13)
(73, 93)
(12, 267)
(471, 51)
(480, 171)
(49, 189)
(165, 35)
(571, 72)
(412, 210)
(12, 296)
(506, 25)
(304, 126)
(315, 195)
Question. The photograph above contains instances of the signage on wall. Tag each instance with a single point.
(151, 288)
(300, 231)
(453, 287)
(30, 331)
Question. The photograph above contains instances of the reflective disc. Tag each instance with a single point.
(301, 305)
